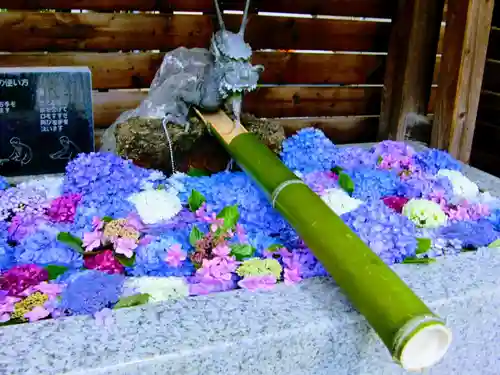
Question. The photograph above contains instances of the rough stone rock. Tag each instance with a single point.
(143, 140)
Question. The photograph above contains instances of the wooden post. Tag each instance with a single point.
(410, 64)
(468, 24)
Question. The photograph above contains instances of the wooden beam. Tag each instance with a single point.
(462, 67)
(410, 64)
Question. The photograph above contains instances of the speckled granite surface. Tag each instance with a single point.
(308, 329)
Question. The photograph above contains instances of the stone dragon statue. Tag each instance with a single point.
(228, 75)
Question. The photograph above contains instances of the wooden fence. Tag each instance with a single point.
(486, 146)
(325, 69)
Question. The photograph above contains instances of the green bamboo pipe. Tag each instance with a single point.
(415, 336)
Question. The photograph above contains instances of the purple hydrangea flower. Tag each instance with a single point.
(373, 184)
(392, 148)
(308, 150)
(310, 266)
(103, 175)
(26, 201)
(389, 235)
(494, 219)
(321, 181)
(88, 292)
(432, 160)
(353, 157)
(425, 186)
(473, 234)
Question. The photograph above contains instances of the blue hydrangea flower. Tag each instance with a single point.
(6, 256)
(103, 175)
(261, 241)
(90, 291)
(432, 160)
(425, 186)
(42, 248)
(3, 183)
(150, 260)
(308, 150)
(494, 219)
(226, 189)
(473, 234)
(373, 184)
(390, 235)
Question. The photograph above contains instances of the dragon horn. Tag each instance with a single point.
(245, 18)
(219, 15)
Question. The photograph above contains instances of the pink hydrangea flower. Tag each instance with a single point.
(221, 250)
(395, 203)
(292, 275)
(19, 278)
(92, 240)
(175, 255)
(125, 246)
(253, 283)
(63, 208)
(241, 234)
(37, 313)
(97, 223)
(51, 290)
(214, 222)
(105, 262)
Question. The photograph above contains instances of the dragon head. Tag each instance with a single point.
(232, 58)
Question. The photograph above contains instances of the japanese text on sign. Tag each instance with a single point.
(53, 116)
(6, 106)
(9, 82)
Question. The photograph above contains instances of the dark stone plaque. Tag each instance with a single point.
(45, 119)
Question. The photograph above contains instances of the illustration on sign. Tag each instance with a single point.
(69, 149)
(22, 153)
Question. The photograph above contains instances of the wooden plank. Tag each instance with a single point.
(410, 65)
(466, 38)
(494, 44)
(136, 70)
(30, 31)
(491, 81)
(356, 8)
(489, 108)
(264, 102)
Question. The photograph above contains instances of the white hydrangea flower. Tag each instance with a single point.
(462, 186)
(159, 288)
(155, 206)
(51, 187)
(424, 213)
(339, 201)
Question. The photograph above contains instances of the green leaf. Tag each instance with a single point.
(424, 244)
(346, 183)
(55, 271)
(124, 261)
(195, 236)
(107, 219)
(242, 251)
(494, 244)
(135, 300)
(74, 242)
(196, 199)
(414, 260)
(379, 159)
(196, 172)
(274, 247)
(337, 170)
(230, 214)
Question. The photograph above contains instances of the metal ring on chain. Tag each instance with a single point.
(170, 148)
(280, 187)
